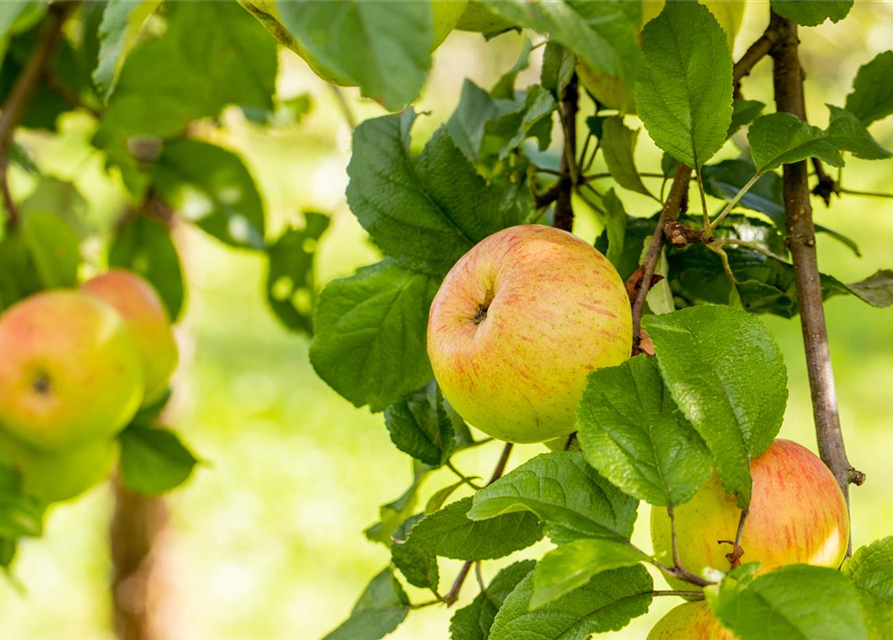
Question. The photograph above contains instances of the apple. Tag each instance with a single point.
(797, 515)
(478, 18)
(148, 322)
(518, 323)
(446, 13)
(690, 621)
(70, 371)
(59, 476)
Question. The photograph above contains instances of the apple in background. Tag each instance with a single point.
(690, 621)
(518, 323)
(148, 322)
(797, 515)
(70, 371)
(58, 476)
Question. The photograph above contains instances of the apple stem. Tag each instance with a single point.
(789, 97)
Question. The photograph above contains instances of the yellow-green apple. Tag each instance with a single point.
(797, 515)
(148, 322)
(70, 371)
(518, 323)
(54, 476)
(478, 18)
(446, 14)
(690, 621)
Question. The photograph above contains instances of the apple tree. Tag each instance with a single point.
(640, 362)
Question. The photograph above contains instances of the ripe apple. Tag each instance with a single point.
(518, 323)
(70, 371)
(446, 14)
(797, 515)
(148, 322)
(58, 476)
(690, 621)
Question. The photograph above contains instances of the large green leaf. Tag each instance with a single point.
(606, 603)
(122, 22)
(726, 374)
(565, 493)
(811, 13)
(384, 47)
(211, 187)
(783, 138)
(684, 94)
(872, 95)
(371, 333)
(380, 609)
(451, 534)
(871, 570)
(634, 434)
(474, 621)
(572, 565)
(425, 211)
(796, 602)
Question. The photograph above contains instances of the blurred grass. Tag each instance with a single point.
(266, 540)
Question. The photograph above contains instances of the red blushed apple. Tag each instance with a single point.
(797, 515)
(690, 621)
(518, 323)
(147, 319)
(69, 371)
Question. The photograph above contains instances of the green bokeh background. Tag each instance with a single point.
(266, 540)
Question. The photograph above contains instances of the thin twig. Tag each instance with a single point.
(789, 97)
(469, 480)
(868, 194)
(678, 192)
(753, 246)
(731, 203)
(755, 52)
(688, 595)
(343, 105)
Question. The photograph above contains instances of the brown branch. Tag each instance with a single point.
(789, 97)
(760, 48)
(22, 91)
(564, 212)
(826, 185)
(678, 193)
(453, 594)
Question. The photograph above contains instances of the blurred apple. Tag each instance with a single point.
(147, 320)
(70, 371)
(797, 515)
(518, 323)
(690, 621)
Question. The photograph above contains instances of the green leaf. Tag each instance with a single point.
(419, 568)
(145, 246)
(684, 94)
(13, 13)
(795, 602)
(384, 47)
(211, 187)
(783, 138)
(291, 282)
(18, 274)
(425, 211)
(871, 570)
(601, 34)
(153, 460)
(371, 333)
(726, 374)
(572, 565)
(20, 515)
(565, 493)
(725, 179)
(876, 290)
(847, 133)
(615, 226)
(419, 426)
(872, 95)
(618, 146)
(55, 247)
(811, 13)
(397, 511)
(504, 88)
(743, 113)
(466, 125)
(633, 433)
(451, 534)
(558, 68)
(606, 603)
(531, 118)
(122, 22)
(380, 609)
(63, 199)
(473, 622)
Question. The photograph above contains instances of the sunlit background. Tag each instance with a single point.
(266, 540)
